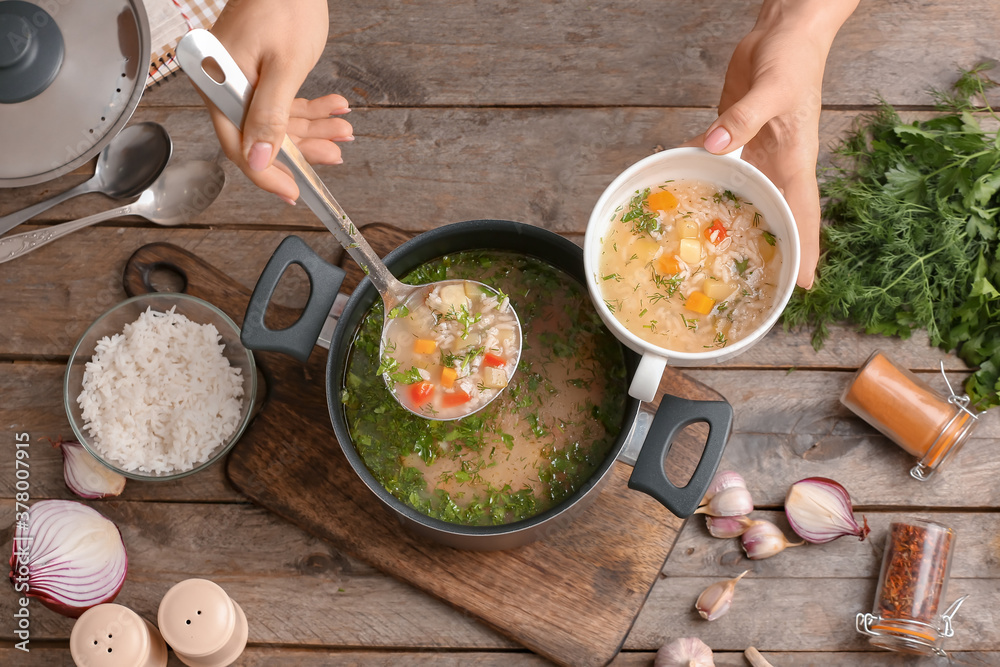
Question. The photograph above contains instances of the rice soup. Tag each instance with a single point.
(688, 266)
(532, 447)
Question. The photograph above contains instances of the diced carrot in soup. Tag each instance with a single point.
(448, 377)
(494, 360)
(699, 303)
(661, 201)
(424, 346)
(668, 265)
(457, 397)
(421, 392)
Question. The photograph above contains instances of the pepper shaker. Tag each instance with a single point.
(202, 624)
(110, 635)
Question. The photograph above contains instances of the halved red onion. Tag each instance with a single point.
(69, 556)
(819, 510)
(86, 476)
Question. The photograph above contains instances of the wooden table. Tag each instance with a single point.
(523, 111)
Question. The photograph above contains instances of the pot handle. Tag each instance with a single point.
(673, 415)
(298, 339)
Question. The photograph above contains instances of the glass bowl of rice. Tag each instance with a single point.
(160, 387)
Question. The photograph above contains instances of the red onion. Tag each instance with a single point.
(69, 556)
(86, 476)
(819, 510)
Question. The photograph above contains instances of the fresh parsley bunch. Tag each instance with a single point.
(912, 235)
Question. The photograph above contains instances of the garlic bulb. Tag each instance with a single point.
(727, 526)
(724, 479)
(684, 652)
(714, 601)
(734, 501)
(763, 539)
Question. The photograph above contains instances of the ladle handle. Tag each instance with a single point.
(225, 85)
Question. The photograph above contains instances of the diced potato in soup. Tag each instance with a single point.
(695, 277)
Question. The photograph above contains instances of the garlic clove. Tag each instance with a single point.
(727, 526)
(763, 539)
(684, 652)
(819, 510)
(724, 479)
(734, 501)
(86, 476)
(715, 600)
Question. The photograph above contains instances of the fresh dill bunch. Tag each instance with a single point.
(912, 236)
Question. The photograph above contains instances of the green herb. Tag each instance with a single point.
(651, 326)
(643, 221)
(612, 276)
(913, 242)
(726, 195)
(756, 218)
(691, 324)
(719, 341)
(769, 237)
(399, 311)
(741, 265)
(722, 306)
(642, 312)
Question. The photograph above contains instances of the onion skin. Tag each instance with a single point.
(68, 556)
(819, 510)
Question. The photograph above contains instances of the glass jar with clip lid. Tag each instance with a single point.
(911, 589)
(930, 426)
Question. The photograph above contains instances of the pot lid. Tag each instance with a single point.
(71, 74)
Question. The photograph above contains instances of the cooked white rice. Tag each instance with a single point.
(160, 396)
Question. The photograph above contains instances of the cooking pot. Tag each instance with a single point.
(643, 442)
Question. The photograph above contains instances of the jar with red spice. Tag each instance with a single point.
(912, 586)
(927, 424)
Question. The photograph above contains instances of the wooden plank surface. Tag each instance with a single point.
(521, 110)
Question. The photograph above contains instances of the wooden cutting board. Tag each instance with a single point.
(571, 597)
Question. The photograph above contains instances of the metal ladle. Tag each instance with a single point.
(214, 72)
(180, 193)
(127, 166)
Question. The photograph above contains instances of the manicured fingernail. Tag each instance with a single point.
(288, 200)
(339, 112)
(350, 138)
(260, 155)
(717, 140)
(339, 160)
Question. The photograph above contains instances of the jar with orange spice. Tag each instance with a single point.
(912, 586)
(928, 425)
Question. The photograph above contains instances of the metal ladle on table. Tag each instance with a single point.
(127, 166)
(214, 72)
(180, 193)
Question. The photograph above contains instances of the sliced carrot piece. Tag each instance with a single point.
(662, 201)
(699, 303)
(423, 346)
(493, 360)
(448, 376)
(421, 392)
(716, 233)
(457, 397)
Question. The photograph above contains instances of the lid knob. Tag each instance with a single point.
(31, 51)
(204, 626)
(110, 635)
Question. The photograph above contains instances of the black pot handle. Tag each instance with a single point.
(673, 415)
(299, 339)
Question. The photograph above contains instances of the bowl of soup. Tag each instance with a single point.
(690, 258)
(535, 456)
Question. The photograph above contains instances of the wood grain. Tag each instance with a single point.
(628, 53)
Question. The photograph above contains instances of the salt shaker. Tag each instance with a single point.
(202, 624)
(110, 635)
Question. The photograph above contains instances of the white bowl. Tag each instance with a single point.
(725, 171)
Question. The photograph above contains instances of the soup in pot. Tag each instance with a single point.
(689, 267)
(532, 447)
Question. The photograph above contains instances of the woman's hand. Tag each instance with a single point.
(771, 103)
(277, 44)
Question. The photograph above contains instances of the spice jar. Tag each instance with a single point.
(903, 408)
(911, 588)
